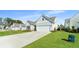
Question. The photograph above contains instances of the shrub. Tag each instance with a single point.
(67, 29)
(73, 29)
(77, 30)
(60, 27)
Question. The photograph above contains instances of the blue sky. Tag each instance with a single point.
(33, 15)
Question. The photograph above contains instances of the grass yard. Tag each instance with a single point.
(54, 40)
(4, 33)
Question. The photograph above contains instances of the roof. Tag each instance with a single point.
(75, 17)
(50, 19)
(31, 22)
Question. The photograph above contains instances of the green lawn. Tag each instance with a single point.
(4, 33)
(54, 40)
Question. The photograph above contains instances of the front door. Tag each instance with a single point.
(35, 29)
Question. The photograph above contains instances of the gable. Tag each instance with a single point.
(27, 24)
(42, 21)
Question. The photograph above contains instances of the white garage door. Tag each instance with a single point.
(43, 28)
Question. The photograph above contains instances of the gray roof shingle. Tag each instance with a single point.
(51, 19)
(31, 22)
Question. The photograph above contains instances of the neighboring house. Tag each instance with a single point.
(2, 23)
(43, 23)
(17, 26)
(67, 23)
(30, 25)
(72, 22)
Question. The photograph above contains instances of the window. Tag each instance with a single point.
(42, 19)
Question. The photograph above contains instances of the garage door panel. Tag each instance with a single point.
(43, 28)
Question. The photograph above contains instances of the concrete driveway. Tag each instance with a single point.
(20, 40)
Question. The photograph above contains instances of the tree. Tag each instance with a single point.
(0, 18)
(77, 30)
(60, 27)
(73, 29)
(10, 21)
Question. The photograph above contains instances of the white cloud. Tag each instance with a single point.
(55, 11)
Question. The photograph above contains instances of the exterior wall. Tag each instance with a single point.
(23, 28)
(54, 27)
(42, 22)
(67, 23)
(32, 27)
(74, 21)
(15, 28)
(43, 25)
(18, 27)
(1, 27)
